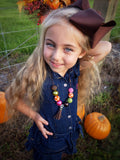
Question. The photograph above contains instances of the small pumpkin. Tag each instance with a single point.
(81, 111)
(97, 125)
(3, 112)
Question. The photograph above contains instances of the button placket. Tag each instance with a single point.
(70, 119)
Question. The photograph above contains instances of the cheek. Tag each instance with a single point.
(71, 61)
(46, 53)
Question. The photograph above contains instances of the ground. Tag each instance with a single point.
(13, 135)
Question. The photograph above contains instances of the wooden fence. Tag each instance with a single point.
(107, 9)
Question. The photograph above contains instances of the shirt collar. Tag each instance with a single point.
(75, 69)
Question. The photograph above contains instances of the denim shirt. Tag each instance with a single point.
(68, 123)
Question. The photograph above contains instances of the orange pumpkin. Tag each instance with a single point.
(3, 112)
(81, 111)
(97, 125)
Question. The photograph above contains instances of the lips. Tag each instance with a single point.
(56, 65)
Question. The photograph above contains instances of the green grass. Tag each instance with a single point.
(16, 28)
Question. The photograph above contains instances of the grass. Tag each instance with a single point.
(16, 28)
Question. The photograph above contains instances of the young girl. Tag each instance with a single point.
(61, 70)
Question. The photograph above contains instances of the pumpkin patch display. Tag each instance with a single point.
(3, 112)
(81, 111)
(97, 125)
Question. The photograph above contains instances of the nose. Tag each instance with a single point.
(56, 55)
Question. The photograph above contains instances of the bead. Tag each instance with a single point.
(55, 93)
(69, 100)
(56, 98)
(61, 106)
(66, 104)
(54, 88)
(70, 95)
(71, 90)
(59, 103)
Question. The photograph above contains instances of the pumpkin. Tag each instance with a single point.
(3, 112)
(81, 111)
(97, 125)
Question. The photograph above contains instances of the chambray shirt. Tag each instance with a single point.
(67, 129)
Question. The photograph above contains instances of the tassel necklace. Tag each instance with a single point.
(59, 102)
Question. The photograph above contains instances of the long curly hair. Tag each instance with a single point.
(29, 80)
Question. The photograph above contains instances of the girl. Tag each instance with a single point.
(51, 80)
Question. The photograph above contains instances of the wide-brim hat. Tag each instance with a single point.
(89, 22)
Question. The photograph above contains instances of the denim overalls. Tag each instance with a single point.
(67, 129)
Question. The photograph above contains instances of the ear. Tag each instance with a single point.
(82, 54)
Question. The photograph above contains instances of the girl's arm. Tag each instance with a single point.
(40, 122)
(96, 54)
(26, 110)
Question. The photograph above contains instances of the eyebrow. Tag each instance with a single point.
(66, 45)
(49, 40)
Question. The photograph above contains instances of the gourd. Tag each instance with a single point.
(81, 111)
(97, 125)
(3, 111)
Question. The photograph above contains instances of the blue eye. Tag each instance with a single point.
(68, 50)
(50, 45)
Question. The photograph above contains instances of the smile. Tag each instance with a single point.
(56, 65)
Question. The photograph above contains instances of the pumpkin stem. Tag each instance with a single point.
(101, 118)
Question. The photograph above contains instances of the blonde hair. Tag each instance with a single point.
(29, 80)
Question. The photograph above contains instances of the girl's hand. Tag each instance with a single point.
(96, 55)
(40, 122)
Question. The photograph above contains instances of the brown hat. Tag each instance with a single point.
(89, 22)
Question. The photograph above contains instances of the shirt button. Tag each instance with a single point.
(65, 84)
(70, 127)
(69, 116)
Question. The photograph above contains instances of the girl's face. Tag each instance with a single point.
(61, 48)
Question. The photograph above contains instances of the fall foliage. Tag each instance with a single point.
(41, 7)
